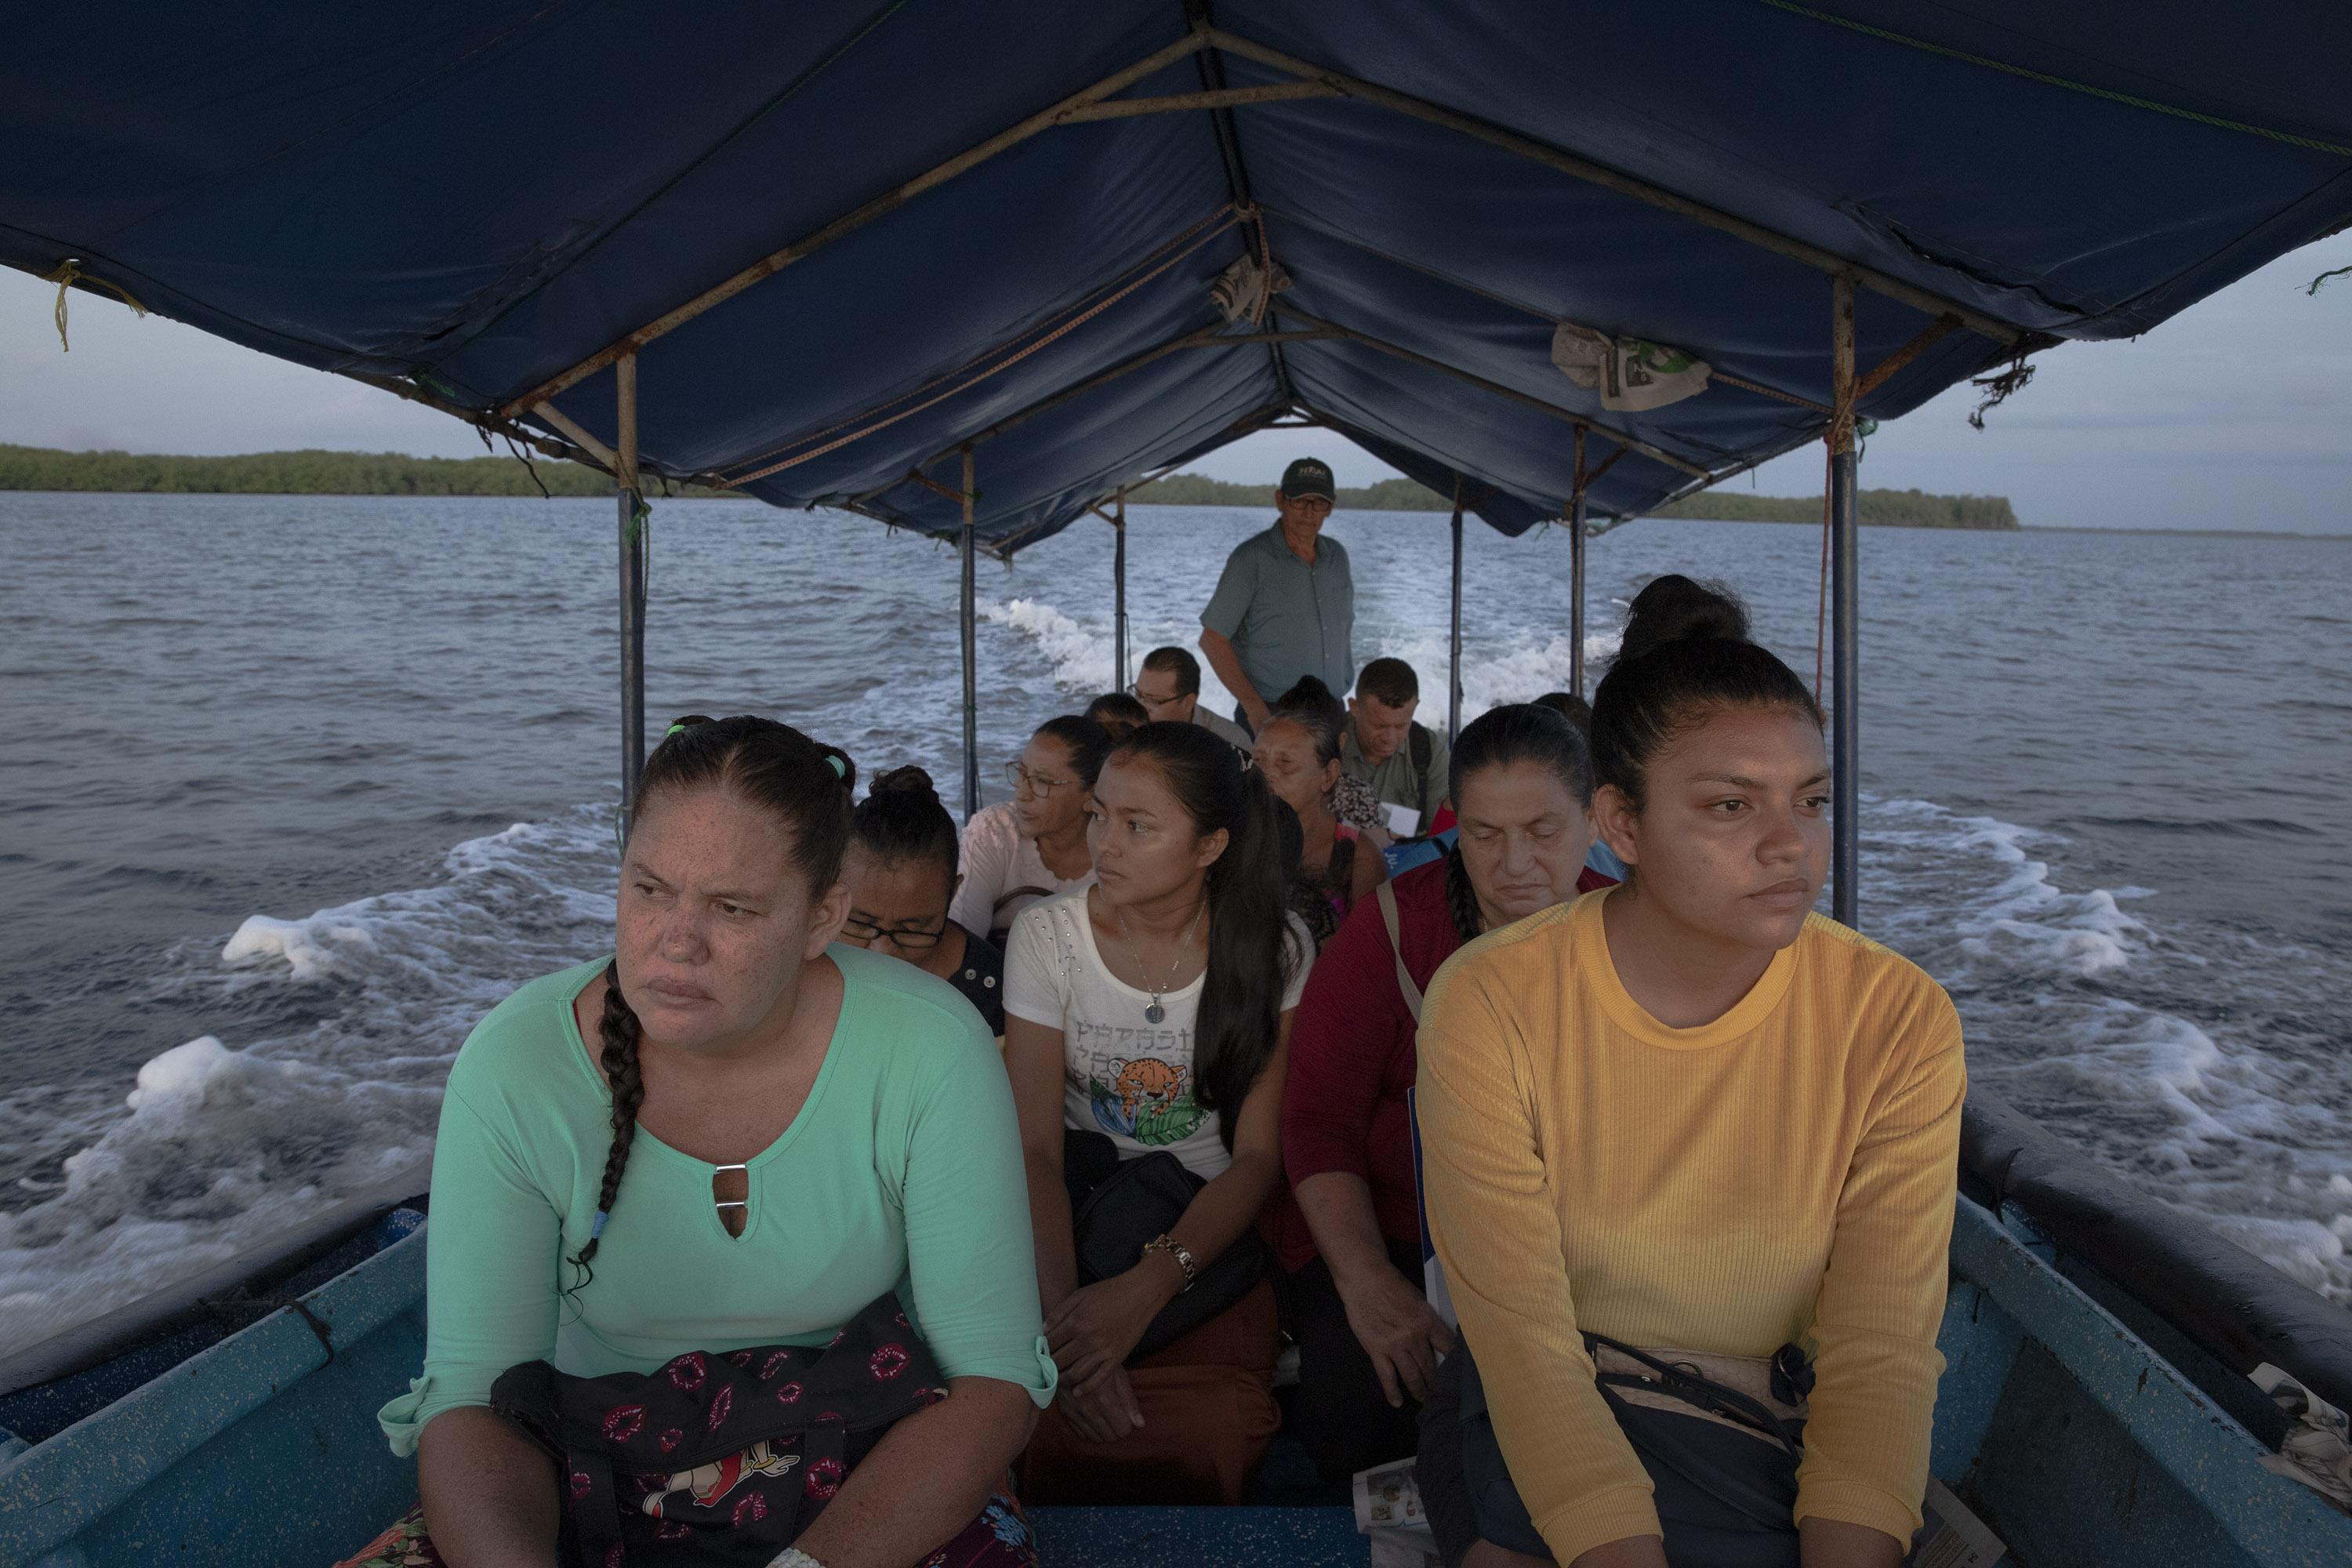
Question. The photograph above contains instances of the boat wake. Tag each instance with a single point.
(221, 1146)
(1079, 654)
(2197, 1076)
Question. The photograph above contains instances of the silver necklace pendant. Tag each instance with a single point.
(1153, 1012)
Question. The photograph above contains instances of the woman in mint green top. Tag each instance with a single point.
(736, 1133)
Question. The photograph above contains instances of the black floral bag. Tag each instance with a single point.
(718, 1459)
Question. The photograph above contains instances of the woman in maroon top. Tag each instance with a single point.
(1349, 1236)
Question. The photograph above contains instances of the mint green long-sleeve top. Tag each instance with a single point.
(902, 1171)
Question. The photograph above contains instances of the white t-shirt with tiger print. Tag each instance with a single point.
(1121, 1074)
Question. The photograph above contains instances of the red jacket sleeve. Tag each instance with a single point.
(1347, 1025)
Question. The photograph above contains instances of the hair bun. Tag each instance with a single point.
(1673, 608)
(909, 780)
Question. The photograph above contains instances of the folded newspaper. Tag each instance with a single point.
(1952, 1537)
(1388, 1510)
(1389, 1497)
(2318, 1448)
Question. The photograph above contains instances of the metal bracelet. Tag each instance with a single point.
(1174, 1249)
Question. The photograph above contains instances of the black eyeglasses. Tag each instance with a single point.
(1135, 690)
(907, 939)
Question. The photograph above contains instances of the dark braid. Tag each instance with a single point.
(620, 1031)
(1461, 897)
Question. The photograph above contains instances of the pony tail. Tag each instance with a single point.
(620, 1032)
(1253, 955)
(1461, 897)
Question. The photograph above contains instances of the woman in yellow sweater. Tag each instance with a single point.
(1689, 1115)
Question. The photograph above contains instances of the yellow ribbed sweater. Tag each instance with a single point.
(1785, 1174)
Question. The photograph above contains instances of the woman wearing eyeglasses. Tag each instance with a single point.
(901, 871)
(1035, 845)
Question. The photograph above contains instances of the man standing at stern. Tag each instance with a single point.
(1286, 606)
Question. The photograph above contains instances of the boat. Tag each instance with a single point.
(174, 1435)
(1562, 265)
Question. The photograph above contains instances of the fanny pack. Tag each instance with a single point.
(1720, 1436)
(716, 1459)
(1139, 1199)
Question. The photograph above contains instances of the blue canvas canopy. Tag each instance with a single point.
(839, 240)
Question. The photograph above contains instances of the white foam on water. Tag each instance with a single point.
(1079, 658)
(220, 1147)
(1078, 655)
(308, 948)
(224, 1142)
(2078, 1012)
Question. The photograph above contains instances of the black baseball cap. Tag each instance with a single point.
(1310, 477)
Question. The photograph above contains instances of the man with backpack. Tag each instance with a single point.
(1404, 763)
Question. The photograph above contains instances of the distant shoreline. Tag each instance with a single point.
(397, 474)
(316, 472)
(2343, 538)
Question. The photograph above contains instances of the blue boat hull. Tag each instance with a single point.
(2072, 1437)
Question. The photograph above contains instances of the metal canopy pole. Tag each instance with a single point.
(1576, 571)
(1846, 766)
(1119, 592)
(633, 591)
(971, 655)
(1454, 657)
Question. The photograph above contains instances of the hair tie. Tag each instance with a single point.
(673, 730)
(840, 768)
(596, 1225)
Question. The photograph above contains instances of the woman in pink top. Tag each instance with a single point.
(1020, 851)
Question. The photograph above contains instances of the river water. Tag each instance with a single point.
(293, 789)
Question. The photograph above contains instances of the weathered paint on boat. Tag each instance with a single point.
(2077, 1441)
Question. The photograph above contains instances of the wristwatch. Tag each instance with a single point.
(1174, 1249)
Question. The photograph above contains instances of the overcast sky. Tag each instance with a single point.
(2236, 413)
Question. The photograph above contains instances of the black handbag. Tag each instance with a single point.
(714, 1460)
(1724, 1498)
(1140, 1199)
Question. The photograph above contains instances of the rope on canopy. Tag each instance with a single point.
(589, 453)
(579, 437)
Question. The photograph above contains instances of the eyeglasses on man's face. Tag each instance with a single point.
(905, 938)
(1154, 702)
(1026, 782)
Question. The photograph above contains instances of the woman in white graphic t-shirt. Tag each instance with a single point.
(1151, 1012)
